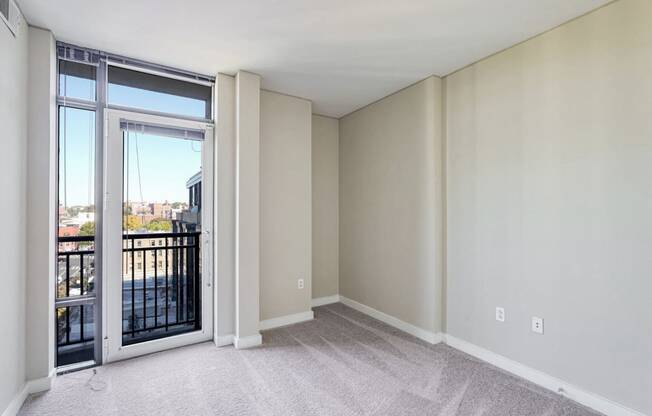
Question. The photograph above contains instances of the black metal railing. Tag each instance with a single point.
(161, 282)
(75, 278)
(161, 285)
(75, 300)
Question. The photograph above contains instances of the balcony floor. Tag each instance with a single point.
(342, 363)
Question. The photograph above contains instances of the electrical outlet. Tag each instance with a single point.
(500, 314)
(300, 284)
(537, 325)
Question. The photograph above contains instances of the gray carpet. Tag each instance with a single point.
(342, 363)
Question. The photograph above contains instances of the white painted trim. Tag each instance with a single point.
(549, 382)
(33, 386)
(326, 300)
(82, 365)
(16, 403)
(423, 334)
(224, 340)
(112, 237)
(248, 342)
(41, 384)
(286, 320)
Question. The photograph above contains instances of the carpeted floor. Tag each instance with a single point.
(342, 363)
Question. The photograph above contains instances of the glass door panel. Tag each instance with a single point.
(157, 233)
(162, 235)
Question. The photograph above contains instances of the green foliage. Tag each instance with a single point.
(159, 224)
(130, 222)
(88, 228)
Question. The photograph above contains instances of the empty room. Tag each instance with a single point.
(310, 207)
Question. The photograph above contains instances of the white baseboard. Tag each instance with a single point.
(326, 300)
(224, 340)
(248, 342)
(31, 387)
(16, 403)
(577, 394)
(549, 382)
(41, 384)
(286, 320)
(423, 334)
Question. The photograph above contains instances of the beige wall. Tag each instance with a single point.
(325, 206)
(41, 204)
(390, 205)
(550, 202)
(13, 134)
(224, 323)
(285, 205)
(247, 209)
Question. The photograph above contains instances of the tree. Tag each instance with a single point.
(159, 224)
(73, 211)
(130, 222)
(88, 228)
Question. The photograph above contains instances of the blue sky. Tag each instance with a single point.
(165, 163)
(165, 166)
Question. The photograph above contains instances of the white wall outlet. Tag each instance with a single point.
(537, 325)
(500, 314)
(300, 284)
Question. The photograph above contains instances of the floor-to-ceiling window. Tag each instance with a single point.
(76, 283)
(146, 131)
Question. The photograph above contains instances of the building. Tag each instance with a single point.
(161, 210)
(68, 231)
(189, 219)
(80, 219)
(140, 208)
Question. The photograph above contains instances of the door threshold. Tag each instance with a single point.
(76, 367)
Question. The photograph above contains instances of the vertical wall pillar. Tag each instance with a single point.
(41, 206)
(247, 240)
(225, 222)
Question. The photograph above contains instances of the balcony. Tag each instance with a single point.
(160, 287)
(161, 280)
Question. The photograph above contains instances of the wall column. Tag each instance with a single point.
(247, 188)
(41, 208)
(224, 192)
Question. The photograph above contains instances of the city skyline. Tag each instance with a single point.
(131, 202)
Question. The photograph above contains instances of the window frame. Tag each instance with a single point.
(101, 61)
(149, 73)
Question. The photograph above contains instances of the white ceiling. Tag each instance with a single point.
(341, 54)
